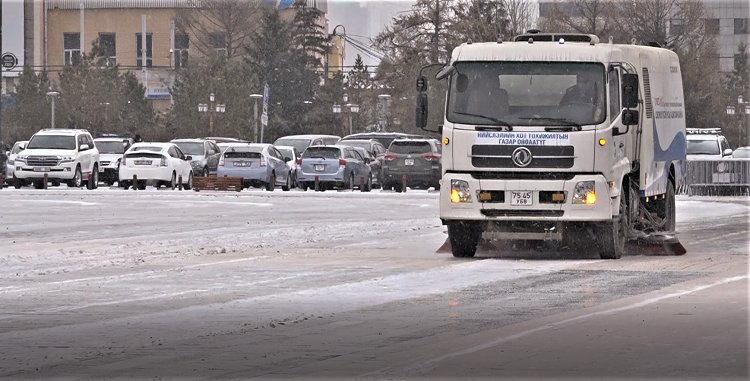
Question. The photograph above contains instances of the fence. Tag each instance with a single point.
(720, 177)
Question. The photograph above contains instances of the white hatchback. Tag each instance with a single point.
(155, 164)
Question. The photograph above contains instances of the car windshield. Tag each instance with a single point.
(64, 142)
(354, 143)
(322, 152)
(147, 148)
(300, 144)
(116, 147)
(191, 148)
(404, 147)
(287, 152)
(527, 93)
(703, 147)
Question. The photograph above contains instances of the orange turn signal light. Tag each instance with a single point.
(602, 142)
(591, 197)
(455, 198)
(446, 140)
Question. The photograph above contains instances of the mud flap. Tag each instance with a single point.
(658, 244)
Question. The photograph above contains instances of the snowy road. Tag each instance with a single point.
(181, 285)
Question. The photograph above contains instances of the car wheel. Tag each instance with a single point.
(287, 186)
(17, 183)
(351, 182)
(95, 178)
(303, 185)
(271, 184)
(205, 172)
(77, 180)
(123, 184)
(189, 184)
(39, 184)
(173, 181)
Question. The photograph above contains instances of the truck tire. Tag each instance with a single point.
(464, 237)
(667, 209)
(614, 234)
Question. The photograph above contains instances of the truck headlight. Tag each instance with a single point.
(460, 191)
(584, 193)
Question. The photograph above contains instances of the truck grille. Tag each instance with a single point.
(42, 161)
(501, 156)
(522, 213)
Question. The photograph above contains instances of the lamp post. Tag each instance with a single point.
(743, 108)
(343, 54)
(211, 110)
(384, 98)
(353, 108)
(53, 95)
(255, 114)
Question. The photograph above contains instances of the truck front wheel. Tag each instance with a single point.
(614, 234)
(464, 237)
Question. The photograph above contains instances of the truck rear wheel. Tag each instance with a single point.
(667, 209)
(614, 234)
(464, 237)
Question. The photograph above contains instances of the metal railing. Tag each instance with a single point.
(718, 177)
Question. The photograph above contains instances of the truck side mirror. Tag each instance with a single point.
(629, 91)
(629, 118)
(421, 84)
(421, 111)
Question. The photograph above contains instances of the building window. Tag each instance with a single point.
(219, 42)
(139, 50)
(71, 48)
(712, 27)
(740, 26)
(181, 48)
(107, 43)
(675, 27)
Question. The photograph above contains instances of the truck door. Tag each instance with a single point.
(622, 144)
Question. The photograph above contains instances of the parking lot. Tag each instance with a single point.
(110, 283)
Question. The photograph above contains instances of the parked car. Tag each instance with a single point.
(63, 155)
(10, 167)
(155, 164)
(385, 138)
(4, 153)
(218, 140)
(335, 167)
(419, 160)
(259, 165)
(376, 154)
(741, 153)
(707, 143)
(291, 156)
(301, 142)
(205, 154)
(111, 150)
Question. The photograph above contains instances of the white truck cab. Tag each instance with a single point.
(558, 137)
(62, 155)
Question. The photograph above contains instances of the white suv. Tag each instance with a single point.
(707, 143)
(64, 155)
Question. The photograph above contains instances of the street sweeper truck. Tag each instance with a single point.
(560, 138)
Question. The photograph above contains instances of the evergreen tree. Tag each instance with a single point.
(29, 108)
(360, 88)
(308, 33)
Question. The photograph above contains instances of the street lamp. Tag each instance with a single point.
(53, 95)
(743, 108)
(211, 110)
(255, 113)
(384, 98)
(353, 108)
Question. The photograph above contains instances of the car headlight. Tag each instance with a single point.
(67, 159)
(460, 191)
(584, 193)
(21, 159)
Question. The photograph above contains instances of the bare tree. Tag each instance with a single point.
(479, 20)
(215, 25)
(583, 16)
(521, 15)
(671, 23)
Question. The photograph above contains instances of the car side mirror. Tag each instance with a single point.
(188, 158)
(728, 152)
(84, 147)
(367, 161)
(629, 118)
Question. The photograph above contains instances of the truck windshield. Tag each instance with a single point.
(527, 93)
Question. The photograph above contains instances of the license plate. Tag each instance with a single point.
(408, 161)
(143, 162)
(240, 164)
(320, 167)
(41, 169)
(521, 198)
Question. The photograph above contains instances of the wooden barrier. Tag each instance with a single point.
(217, 183)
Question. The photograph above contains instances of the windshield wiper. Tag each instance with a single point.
(560, 121)
(492, 119)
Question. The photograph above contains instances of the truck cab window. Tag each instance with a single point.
(613, 83)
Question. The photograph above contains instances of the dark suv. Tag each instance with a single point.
(418, 161)
(205, 154)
